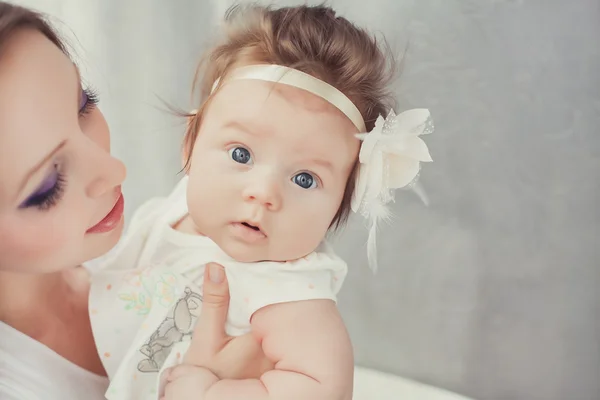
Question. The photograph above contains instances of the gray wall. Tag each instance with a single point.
(494, 289)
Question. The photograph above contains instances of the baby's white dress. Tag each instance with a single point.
(145, 300)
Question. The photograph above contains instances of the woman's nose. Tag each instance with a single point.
(110, 173)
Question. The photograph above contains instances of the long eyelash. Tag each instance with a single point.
(92, 101)
(45, 201)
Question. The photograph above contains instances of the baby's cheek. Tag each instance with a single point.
(196, 198)
(321, 213)
(310, 227)
(206, 191)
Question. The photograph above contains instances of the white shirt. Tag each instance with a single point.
(145, 300)
(31, 371)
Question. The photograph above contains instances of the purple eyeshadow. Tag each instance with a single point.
(84, 100)
(46, 187)
(48, 183)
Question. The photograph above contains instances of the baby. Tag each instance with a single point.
(276, 157)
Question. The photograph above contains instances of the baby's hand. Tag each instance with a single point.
(240, 357)
(188, 382)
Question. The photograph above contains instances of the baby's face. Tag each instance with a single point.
(269, 169)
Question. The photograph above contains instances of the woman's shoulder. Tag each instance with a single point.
(30, 370)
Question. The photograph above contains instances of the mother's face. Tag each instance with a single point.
(60, 191)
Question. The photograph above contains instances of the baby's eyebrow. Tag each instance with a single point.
(323, 163)
(241, 127)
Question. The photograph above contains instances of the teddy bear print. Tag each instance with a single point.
(178, 326)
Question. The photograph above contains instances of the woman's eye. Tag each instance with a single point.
(48, 194)
(240, 155)
(88, 101)
(305, 180)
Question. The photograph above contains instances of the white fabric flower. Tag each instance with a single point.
(390, 158)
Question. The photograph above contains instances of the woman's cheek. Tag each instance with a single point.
(30, 244)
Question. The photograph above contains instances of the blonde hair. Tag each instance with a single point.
(312, 39)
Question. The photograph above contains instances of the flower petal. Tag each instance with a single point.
(368, 146)
(401, 171)
(408, 146)
(375, 177)
(413, 121)
(379, 122)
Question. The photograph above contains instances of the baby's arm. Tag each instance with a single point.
(309, 345)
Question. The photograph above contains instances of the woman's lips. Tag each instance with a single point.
(112, 219)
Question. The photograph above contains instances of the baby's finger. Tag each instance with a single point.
(209, 334)
(189, 382)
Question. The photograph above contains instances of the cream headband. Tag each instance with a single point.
(301, 80)
(390, 155)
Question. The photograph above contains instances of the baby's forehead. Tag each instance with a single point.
(291, 117)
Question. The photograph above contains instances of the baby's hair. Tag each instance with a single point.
(312, 39)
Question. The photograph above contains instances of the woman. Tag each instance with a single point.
(60, 206)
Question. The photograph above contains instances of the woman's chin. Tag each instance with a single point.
(99, 244)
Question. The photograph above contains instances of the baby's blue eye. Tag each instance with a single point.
(240, 155)
(305, 180)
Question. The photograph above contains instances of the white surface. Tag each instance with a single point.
(374, 385)
(31, 371)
